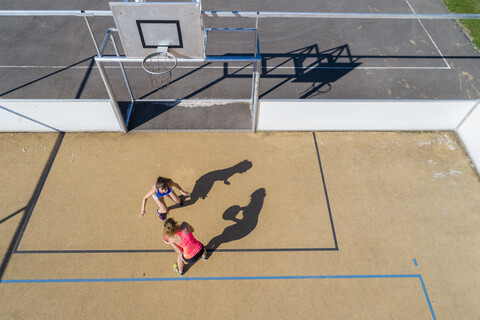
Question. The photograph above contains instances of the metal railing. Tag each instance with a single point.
(259, 14)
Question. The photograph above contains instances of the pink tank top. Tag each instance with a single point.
(189, 244)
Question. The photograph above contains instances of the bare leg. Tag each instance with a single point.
(180, 262)
(162, 207)
(174, 197)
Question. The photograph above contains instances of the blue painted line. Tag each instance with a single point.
(415, 262)
(376, 276)
(386, 276)
(231, 29)
(428, 299)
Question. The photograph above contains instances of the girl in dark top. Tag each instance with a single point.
(163, 187)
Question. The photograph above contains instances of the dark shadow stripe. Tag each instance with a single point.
(325, 189)
(30, 119)
(175, 80)
(85, 79)
(170, 250)
(12, 215)
(44, 77)
(17, 237)
(38, 189)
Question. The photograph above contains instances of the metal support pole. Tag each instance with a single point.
(256, 38)
(338, 15)
(255, 93)
(257, 65)
(132, 99)
(105, 39)
(93, 36)
(113, 100)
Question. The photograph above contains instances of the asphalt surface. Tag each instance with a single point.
(52, 57)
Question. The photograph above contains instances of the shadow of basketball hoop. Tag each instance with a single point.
(304, 65)
(308, 65)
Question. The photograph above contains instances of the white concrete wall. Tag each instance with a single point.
(361, 115)
(57, 115)
(469, 133)
(463, 116)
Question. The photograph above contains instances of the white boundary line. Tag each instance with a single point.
(428, 34)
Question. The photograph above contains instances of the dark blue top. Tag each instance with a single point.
(159, 194)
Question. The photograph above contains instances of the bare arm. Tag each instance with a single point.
(176, 185)
(173, 244)
(186, 227)
(144, 202)
(176, 248)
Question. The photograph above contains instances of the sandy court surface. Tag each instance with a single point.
(96, 184)
(22, 160)
(386, 212)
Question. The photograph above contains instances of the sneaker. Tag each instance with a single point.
(162, 216)
(205, 255)
(180, 204)
(175, 267)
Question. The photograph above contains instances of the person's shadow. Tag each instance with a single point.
(205, 183)
(242, 227)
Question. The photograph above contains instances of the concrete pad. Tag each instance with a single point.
(184, 116)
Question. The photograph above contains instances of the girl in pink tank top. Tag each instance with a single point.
(184, 243)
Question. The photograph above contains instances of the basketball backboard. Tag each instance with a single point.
(145, 26)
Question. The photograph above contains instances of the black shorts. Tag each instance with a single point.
(195, 257)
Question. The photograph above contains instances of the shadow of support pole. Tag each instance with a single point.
(30, 206)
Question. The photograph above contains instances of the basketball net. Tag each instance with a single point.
(159, 68)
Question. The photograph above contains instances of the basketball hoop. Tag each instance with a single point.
(159, 66)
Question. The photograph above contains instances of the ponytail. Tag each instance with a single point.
(170, 227)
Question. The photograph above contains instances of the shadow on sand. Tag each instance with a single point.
(205, 183)
(243, 226)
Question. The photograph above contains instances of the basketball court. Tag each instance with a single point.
(336, 225)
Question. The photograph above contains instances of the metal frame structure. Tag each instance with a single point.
(100, 59)
(259, 14)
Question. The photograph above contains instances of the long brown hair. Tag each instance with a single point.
(170, 227)
(162, 183)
